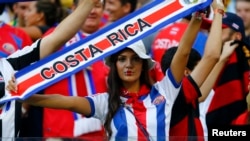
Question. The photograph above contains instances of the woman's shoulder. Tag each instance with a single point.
(43, 28)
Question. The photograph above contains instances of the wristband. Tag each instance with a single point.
(199, 15)
(220, 11)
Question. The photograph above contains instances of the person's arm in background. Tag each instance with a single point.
(56, 101)
(181, 56)
(51, 43)
(212, 48)
(66, 29)
(208, 84)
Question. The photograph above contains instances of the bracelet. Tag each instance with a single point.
(199, 15)
(220, 11)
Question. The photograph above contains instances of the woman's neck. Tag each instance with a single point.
(132, 87)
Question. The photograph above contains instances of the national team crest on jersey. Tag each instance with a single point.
(158, 100)
(9, 48)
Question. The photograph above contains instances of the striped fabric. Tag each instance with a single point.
(103, 43)
(229, 100)
(185, 124)
(83, 83)
(10, 117)
(152, 110)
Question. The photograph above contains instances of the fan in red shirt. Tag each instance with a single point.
(92, 80)
(12, 39)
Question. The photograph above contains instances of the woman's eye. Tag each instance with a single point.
(121, 59)
(137, 59)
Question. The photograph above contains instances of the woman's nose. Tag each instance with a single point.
(129, 63)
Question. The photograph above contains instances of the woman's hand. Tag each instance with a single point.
(12, 84)
(228, 49)
(218, 4)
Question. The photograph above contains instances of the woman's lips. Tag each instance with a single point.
(128, 73)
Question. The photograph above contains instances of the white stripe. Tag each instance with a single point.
(150, 115)
(132, 131)
(8, 122)
(93, 41)
(74, 93)
(85, 125)
(73, 85)
(88, 84)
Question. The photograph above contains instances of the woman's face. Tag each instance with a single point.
(31, 16)
(129, 66)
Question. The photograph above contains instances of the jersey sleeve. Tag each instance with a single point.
(99, 106)
(190, 89)
(25, 57)
(168, 87)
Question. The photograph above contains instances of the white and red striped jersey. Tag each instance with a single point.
(153, 113)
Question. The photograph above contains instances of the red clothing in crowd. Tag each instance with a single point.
(12, 39)
(63, 123)
(168, 37)
(185, 124)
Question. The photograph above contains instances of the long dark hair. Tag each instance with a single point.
(114, 87)
(49, 9)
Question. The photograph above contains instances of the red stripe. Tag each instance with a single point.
(161, 13)
(141, 116)
(81, 84)
(24, 85)
(154, 17)
(233, 58)
(226, 94)
(104, 44)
